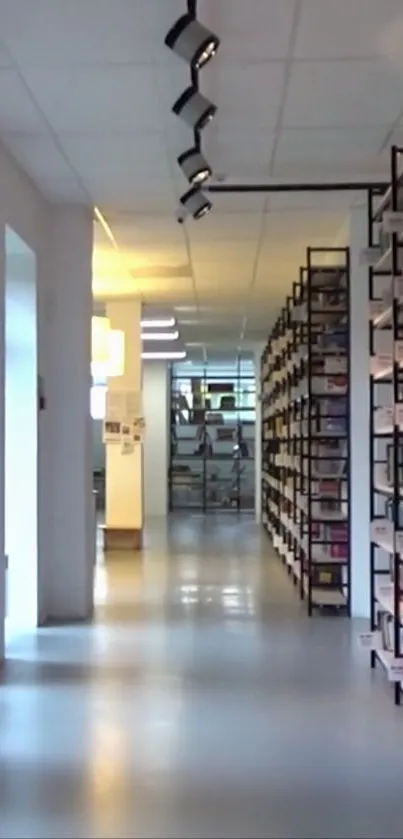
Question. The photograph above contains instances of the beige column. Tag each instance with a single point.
(124, 472)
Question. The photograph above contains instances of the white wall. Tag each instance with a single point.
(24, 210)
(58, 281)
(21, 436)
(66, 590)
(157, 437)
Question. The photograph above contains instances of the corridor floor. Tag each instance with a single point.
(201, 703)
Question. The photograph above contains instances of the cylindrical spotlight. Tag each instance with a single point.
(196, 203)
(194, 166)
(192, 41)
(194, 108)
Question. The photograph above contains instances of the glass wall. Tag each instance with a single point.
(212, 464)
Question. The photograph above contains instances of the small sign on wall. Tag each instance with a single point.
(112, 431)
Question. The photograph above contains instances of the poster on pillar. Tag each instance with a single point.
(132, 434)
(138, 427)
(112, 431)
(123, 405)
(122, 418)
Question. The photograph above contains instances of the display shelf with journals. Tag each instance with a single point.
(385, 237)
(305, 375)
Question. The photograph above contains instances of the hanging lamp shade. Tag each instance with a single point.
(107, 349)
(100, 328)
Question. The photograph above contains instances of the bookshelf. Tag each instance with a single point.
(385, 245)
(305, 375)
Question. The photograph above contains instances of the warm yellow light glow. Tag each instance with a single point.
(100, 340)
(108, 349)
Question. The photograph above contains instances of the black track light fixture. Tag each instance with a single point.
(194, 108)
(194, 166)
(192, 41)
(195, 203)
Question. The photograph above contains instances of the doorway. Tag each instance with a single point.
(21, 437)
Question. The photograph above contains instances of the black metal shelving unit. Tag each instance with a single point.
(212, 462)
(306, 432)
(385, 246)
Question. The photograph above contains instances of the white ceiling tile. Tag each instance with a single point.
(17, 110)
(6, 59)
(236, 151)
(90, 99)
(239, 226)
(247, 93)
(96, 153)
(312, 200)
(347, 28)
(257, 29)
(57, 32)
(223, 250)
(316, 152)
(62, 190)
(156, 260)
(237, 202)
(38, 154)
(140, 229)
(342, 93)
(291, 227)
(111, 193)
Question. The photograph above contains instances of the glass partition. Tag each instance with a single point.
(213, 412)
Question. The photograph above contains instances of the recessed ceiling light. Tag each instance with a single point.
(192, 41)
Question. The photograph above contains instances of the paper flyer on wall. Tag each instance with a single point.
(112, 431)
(123, 405)
(133, 404)
(115, 405)
(139, 423)
(130, 434)
(127, 446)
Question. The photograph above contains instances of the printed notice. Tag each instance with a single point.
(112, 431)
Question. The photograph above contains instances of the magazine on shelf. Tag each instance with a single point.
(327, 576)
(327, 488)
(337, 533)
(338, 550)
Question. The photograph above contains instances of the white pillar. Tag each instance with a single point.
(359, 448)
(156, 399)
(124, 472)
(66, 517)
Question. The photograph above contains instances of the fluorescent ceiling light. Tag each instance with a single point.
(159, 356)
(160, 336)
(192, 41)
(157, 323)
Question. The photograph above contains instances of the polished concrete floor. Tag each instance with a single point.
(202, 703)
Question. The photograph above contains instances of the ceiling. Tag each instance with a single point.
(306, 89)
